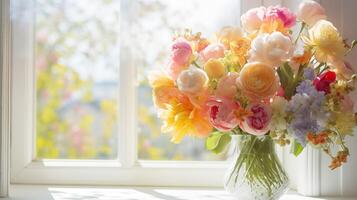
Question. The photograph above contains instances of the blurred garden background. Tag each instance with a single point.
(77, 73)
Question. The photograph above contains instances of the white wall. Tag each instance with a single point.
(343, 14)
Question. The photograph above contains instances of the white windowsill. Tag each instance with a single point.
(41, 192)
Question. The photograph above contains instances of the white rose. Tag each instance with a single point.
(272, 49)
(192, 80)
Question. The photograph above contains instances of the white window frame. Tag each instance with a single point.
(127, 169)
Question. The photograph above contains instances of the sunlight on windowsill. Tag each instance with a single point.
(27, 192)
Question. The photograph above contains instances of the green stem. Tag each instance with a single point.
(262, 168)
(301, 29)
(195, 64)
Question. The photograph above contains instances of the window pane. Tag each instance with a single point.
(77, 66)
(151, 33)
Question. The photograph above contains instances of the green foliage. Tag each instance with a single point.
(218, 141)
(289, 81)
(296, 148)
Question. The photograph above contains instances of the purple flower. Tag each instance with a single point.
(309, 73)
(308, 111)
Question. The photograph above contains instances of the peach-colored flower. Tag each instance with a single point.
(310, 12)
(181, 52)
(253, 19)
(270, 26)
(164, 90)
(226, 86)
(229, 34)
(280, 13)
(257, 123)
(272, 49)
(214, 68)
(215, 50)
(258, 81)
(222, 113)
(192, 81)
(174, 69)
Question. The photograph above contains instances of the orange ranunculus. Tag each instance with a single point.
(258, 81)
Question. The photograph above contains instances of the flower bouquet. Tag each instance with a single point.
(259, 85)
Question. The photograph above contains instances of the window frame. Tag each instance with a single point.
(127, 169)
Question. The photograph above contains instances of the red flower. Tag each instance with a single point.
(322, 82)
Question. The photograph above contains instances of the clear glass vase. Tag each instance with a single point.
(256, 172)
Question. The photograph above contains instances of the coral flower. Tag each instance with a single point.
(222, 113)
(325, 41)
(258, 81)
(226, 86)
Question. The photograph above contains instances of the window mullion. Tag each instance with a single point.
(127, 106)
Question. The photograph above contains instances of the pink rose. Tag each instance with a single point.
(253, 18)
(226, 86)
(181, 52)
(221, 113)
(281, 13)
(215, 50)
(257, 123)
(310, 12)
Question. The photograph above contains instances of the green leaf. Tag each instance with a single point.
(296, 148)
(218, 141)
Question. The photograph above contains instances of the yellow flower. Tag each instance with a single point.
(214, 68)
(345, 123)
(325, 41)
(183, 118)
(163, 90)
(240, 49)
(229, 34)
